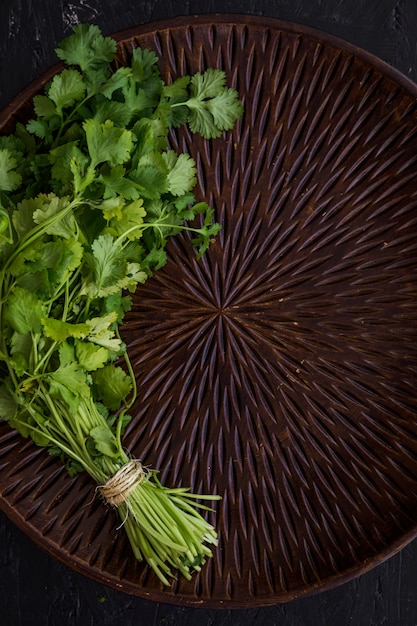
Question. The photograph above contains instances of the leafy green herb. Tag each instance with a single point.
(89, 194)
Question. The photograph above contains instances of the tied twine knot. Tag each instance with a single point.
(116, 490)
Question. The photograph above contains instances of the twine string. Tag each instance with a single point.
(119, 486)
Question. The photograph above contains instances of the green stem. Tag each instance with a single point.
(159, 225)
(40, 365)
(71, 117)
(162, 525)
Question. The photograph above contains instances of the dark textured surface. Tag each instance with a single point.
(384, 596)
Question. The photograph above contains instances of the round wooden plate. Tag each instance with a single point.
(280, 370)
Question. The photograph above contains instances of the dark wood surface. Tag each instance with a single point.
(37, 590)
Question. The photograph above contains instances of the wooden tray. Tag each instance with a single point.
(280, 370)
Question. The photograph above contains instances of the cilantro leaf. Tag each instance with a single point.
(178, 88)
(8, 403)
(41, 129)
(129, 222)
(111, 110)
(225, 108)
(6, 234)
(153, 261)
(212, 106)
(87, 48)
(107, 266)
(182, 172)
(117, 183)
(22, 216)
(151, 174)
(112, 207)
(207, 84)
(140, 101)
(21, 349)
(51, 211)
(57, 330)
(83, 175)
(108, 269)
(107, 142)
(109, 341)
(105, 442)
(116, 82)
(55, 260)
(119, 304)
(69, 383)
(209, 230)
(99, 325)
(72, 377)
(151, 135)
(61, 158)
(91, 357)
(144, 63)
(111, 385)
(44, 106)
(24, 311)
(9, 178)
(66, 88)
(102, 333)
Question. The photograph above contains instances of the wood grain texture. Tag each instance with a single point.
(385, 29)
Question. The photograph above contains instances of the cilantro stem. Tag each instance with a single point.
(71, 117)
(160, 226)
(62, 437)
(131, 372)
(45, 359)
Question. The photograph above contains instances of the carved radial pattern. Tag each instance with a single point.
(279, 371)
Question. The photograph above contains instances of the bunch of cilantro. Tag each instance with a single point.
(89, 194)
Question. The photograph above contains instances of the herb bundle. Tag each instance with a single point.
(89, 194)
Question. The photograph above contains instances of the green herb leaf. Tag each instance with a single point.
(9, 178)
(87, 48)
(207, 84)
(213, 107)
(105, 442)
(112, 385)
(40, 128)
(23, 311)
(22, 216)
(61, 158)
(66, 88)
(69, 383)
(116, 183)
(106, 142)
(129, 223)
(8, 403)
(182, 172)
(107, 267)
(44, 106)
(99, 325)
(144, 63)
(60, 331)
(91, 357)
(6, 234)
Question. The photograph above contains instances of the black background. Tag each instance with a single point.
(36, 590)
